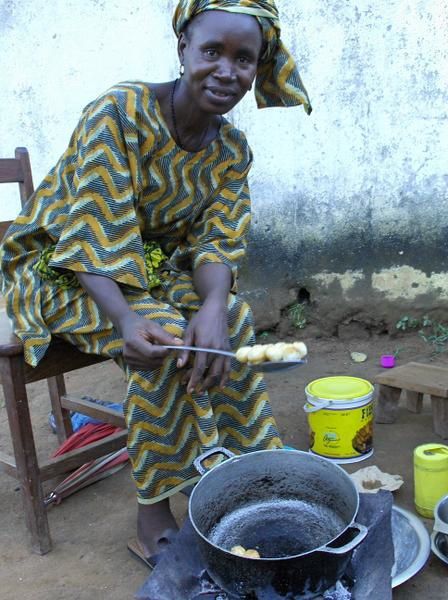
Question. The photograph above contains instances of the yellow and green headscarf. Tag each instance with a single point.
(278, 82)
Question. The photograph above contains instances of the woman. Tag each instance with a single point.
(132, 242)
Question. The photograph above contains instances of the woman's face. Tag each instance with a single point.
(220, 53)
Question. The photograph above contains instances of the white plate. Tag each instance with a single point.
(412, 545)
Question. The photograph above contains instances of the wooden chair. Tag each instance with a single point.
(15, 374)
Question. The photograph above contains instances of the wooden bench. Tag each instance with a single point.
(416, 379)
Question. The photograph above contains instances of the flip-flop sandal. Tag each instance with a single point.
(136, 549)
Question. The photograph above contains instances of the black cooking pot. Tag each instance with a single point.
(295, 508)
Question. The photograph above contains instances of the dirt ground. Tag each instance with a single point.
(90, 529)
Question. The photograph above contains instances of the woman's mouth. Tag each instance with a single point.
(219, 94)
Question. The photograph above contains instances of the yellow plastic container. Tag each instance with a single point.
(340, 418)
(430, 477)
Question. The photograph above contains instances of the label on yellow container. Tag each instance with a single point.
(340, 418)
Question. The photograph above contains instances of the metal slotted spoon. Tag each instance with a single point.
(266, 366)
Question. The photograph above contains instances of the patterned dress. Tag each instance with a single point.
(123, 182)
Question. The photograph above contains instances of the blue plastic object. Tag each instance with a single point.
(79, 420)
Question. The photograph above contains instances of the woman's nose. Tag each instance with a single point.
(225, 70)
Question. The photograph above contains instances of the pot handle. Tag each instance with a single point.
(362, 532)
(200, 459)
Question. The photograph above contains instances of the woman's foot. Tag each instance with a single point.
(156, 527)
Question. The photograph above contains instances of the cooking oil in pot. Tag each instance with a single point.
(278, 528)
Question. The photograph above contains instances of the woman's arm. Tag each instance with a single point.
(209, 327)
(140, 336)
(217, 241)
(212, 282)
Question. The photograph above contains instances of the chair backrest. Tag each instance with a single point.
(17, 170)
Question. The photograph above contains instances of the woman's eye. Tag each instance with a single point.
(210, 52)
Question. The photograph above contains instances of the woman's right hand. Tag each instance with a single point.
(141, 342)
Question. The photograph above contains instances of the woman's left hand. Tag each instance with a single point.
(208, 329)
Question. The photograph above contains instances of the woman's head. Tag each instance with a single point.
(220, 52)
(278, 82)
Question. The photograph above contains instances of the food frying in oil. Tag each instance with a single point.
(241, 551)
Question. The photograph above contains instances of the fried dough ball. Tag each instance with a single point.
(289, 352)
(300, 348)
(241, 353)
(240, 551)
(252, 554)
(256, 354)
(274, 353)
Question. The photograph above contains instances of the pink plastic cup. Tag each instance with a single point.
(387, 361)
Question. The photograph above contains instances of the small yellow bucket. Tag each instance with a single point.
(430, 477)
(340, 418)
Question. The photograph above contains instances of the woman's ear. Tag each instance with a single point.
(181, 45)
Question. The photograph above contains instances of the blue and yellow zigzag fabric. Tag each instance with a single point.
(168, 428)
(123, 182)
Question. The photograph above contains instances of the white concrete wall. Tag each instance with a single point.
(377, 73)
(57, 55)
(373, 152)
